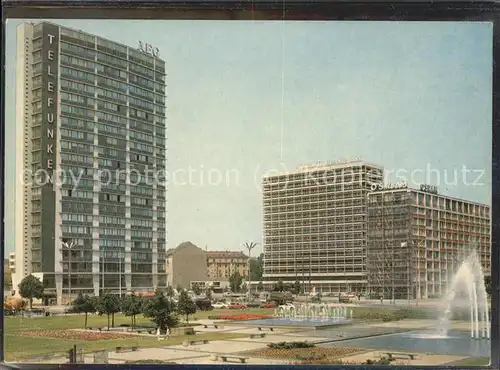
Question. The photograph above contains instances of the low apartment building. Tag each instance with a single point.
(221, 265)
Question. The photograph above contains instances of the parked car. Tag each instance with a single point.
(268, 305)
(220, 305)
(237, 306)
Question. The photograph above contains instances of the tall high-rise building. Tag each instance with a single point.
(417, 240)
(91, 161)
(315, 226)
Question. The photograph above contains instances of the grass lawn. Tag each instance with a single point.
(18, 346)
(472, 361)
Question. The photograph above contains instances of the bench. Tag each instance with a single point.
(125, 349)
(224, 358)
(394, 355)
(270, 329)
(187, 343)
(214, 325)
(261, 335)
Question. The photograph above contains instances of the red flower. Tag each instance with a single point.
(243, 317)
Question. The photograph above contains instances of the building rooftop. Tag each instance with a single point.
(408, 189)
(322, 166)
(225, 254)
(150, 57)
(181, 246)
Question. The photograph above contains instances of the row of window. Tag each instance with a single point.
(102, 93)
(76, 86)
(90, 102)
(77, 123)
(77, 158)
(77, 35)
(141, 234)
(112, 106)
(108, 82)
(140, 136)
(77, 111)
(78, 62)
(141, 190)
(89, 126)
(141, 223)
(76, 217)
(112, 220)
(78, 135)
(110, 185)
(142, 201)
(72, 229)
(77, 99)
(103, 116)
(78, 50)
(76, 74)
(141, 147)
(111, 231)
(77, 194)
(76, 147)
(142, 104)
(112, 130)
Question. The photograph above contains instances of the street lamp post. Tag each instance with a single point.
(250, 246)
(120, 271)
(69, 246)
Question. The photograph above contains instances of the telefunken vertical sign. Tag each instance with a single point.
(51, 101)
(50, 109)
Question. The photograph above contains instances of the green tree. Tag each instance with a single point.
(235, 281)
(132, 306)
(487, 284)
(260, 286)
(297, 288)
(279, 286)
(208, 293)
(108, 304)
(196, 289)
(170, 291)
(179, 288)
(257, 268)
(161, 310)
(84, 304)
(186, 306)
(31, 287)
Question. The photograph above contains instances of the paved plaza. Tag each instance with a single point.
(343, 336)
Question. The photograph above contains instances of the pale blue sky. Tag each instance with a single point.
(252, 97)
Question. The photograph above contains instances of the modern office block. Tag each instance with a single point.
(91, 138)
(315, 226)
(418, 238)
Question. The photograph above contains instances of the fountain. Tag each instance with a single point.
(309, 315)
(471, 278)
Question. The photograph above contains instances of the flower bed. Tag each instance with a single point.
(305, 354)
(240, 317)
(74, 335)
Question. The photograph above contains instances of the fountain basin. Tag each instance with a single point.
(296, 323)
(452, 343)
